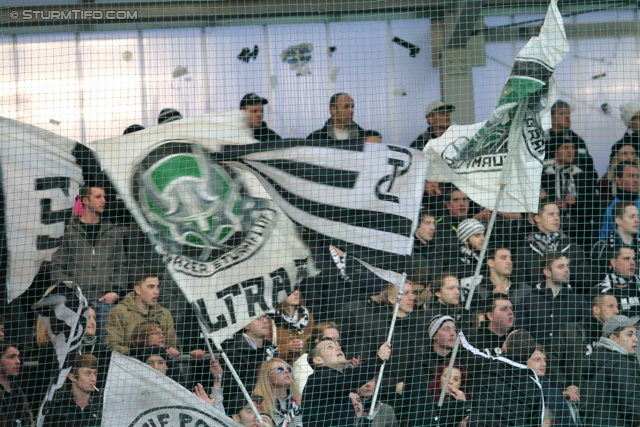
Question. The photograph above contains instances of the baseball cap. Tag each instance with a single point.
(252, 99)
(168, 115)
(617, 322)
(439, 106)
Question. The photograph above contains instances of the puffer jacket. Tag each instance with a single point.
(98, 269)
(125, 316)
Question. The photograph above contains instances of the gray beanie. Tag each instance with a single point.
(468, 228)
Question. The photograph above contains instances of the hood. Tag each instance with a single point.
(610, 345)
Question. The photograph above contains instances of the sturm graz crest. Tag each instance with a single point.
(198, 209)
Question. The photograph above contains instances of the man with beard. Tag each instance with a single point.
(552, 303)
(14, 406)
(546, 238)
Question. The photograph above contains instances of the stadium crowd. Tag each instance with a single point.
(550, 338)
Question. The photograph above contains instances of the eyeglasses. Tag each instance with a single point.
(283, 369)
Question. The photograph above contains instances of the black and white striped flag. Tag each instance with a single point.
(363, 197)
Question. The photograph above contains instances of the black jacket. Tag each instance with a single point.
(484, 290)
(543, 314)
(326, 402)
(579, 182)
(423, 139)
(628, 296)
(263, 134)
(603, 249)
(506, 394)
(416, 387)
(583, 158)
(568, 356)
(65, 412)
(529, 260)
(430, 254)
(14, 408)
(328, 291)
(351, 324)
(612, 396)
(247, 361)
(408, 343)
(326, 133)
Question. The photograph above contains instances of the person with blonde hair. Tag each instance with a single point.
(279, 392)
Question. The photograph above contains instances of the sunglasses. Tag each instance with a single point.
(283, 369)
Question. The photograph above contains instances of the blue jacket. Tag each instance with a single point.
(608, 221)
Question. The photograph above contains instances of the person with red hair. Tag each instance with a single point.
(456, 389)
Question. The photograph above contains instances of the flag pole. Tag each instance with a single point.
(476, 275)
(227, 361)
(396, 307)
(474, 282)
(504, 179)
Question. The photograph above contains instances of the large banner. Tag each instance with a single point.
(197, 188)
(474, 157)
(137, 395)
(226, 243)
(40, 180)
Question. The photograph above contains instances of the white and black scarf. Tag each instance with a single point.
(547, 243)
(298, 320)
(468, 256)
(341, 264)
(287, 413)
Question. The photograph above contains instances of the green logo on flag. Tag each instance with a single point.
(198, 208)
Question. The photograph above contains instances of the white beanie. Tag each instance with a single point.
(468, 228)
(629, 111)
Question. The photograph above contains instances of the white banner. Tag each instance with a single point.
(228, 246)
(40, 180)
(474, 157)
(137, 395)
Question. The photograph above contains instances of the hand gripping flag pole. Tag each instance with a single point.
(227, 361)
(393, 324)
(528, 93)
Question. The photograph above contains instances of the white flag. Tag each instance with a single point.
(229, 247)
(473, 157)
(364, 198)
(137, 395)
(40, 180)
